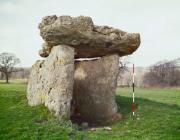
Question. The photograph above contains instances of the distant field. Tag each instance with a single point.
(158, 117)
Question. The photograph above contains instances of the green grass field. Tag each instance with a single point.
(158, 117)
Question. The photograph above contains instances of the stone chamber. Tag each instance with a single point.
(68, 81)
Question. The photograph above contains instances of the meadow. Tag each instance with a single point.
(157, 117)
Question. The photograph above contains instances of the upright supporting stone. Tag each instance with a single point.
(95, 84)
(51, 81)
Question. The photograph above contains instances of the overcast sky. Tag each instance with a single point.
(157, 21)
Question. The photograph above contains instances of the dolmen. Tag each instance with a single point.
(78, 77)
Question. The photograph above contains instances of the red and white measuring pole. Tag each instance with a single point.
(133, 103)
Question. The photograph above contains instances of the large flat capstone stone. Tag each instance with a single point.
(88, 39)
(51, 81)
(94, 90)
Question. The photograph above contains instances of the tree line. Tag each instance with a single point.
(164, 73)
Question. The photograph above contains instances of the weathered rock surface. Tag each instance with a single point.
(88, 39)
(35, 84)
(51, 81)
(94, 90)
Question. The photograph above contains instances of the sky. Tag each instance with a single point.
(157, 21)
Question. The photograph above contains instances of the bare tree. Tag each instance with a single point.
(165, 73)
(123, 62)
(7, 63)
(123, 68)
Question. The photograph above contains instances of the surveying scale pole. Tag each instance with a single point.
(133, 103)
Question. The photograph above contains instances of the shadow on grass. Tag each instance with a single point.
(124, 105)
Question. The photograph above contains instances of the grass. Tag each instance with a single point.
(157, 117)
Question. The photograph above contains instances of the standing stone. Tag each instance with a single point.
(95, 84)
(51, 81)
(34, 84)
